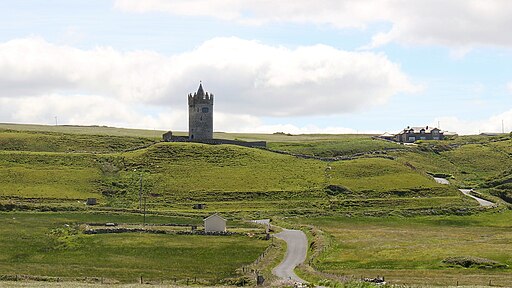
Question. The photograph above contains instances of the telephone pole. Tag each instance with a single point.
(140, 193)
(144, 223)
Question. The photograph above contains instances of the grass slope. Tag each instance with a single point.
(48, 175)
(59, 142)
(331, 146)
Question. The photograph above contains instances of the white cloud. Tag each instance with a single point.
(509, 87)
(248, 77)
(460, 24)
(32, 66)
(492, 124)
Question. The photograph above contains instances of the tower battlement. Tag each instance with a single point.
(200, 99)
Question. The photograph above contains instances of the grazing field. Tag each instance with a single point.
(48, 175)
(476, 163)
(49, 244)
(412, 250)
(85, 130)
(332, 146)
(58, 142)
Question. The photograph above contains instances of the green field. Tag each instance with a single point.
(330, 146)
(47, 244)
(411, 250)
(377, 206)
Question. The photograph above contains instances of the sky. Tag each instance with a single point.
(294, 66)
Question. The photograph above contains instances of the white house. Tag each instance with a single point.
(214, 223)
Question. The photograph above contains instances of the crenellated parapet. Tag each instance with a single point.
(200, 99)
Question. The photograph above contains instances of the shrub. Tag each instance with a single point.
(334, 190)
(473, 262)
(239, 281)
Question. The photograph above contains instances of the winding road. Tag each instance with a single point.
(481, 201)
(466, 192)
(295, 254)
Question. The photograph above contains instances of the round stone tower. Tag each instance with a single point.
(200, 115)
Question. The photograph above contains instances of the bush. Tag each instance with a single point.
(239, 281)
(334, 190)
(473, 262)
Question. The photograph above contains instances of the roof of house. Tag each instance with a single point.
(386, 134)
(427, 129)
(216, 215)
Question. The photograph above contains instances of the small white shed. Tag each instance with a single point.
(214, 223)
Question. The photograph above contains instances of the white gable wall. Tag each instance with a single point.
(214, 223)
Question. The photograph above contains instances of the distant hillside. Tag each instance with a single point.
(54, 170)
(87, 130)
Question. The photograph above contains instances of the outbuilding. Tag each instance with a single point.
(387, 136)
(167, 136)
(215, 223)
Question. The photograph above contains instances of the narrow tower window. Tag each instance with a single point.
(205, 109)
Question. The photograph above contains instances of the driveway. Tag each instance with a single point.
(466, 192)
(442, 181)
(295, 254)
(481, 201)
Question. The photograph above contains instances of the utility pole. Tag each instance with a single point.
(140, 193)
(144, 223)
(56, 124)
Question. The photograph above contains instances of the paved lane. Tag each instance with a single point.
(295, 254)
(481, 201)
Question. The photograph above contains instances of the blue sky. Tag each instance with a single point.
(291, 66)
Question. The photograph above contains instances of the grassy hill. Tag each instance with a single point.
(45, 168)
(45, 163)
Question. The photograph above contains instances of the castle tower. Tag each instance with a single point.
(200, 115)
